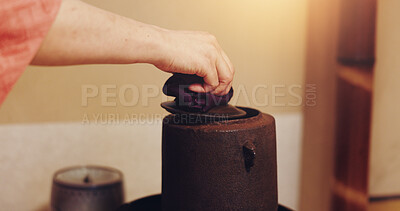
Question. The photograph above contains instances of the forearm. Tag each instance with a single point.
(83, 34)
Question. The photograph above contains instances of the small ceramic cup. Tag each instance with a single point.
(87, 188)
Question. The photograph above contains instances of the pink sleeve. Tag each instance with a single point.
(23, 26)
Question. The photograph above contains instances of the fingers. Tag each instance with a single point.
(218, 78)
(199, 53)
(225, 77)
(223, 70)
(231, 68)
(197, 88)
(228, 61)
(210, 77)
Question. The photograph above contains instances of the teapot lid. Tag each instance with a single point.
(225, 112)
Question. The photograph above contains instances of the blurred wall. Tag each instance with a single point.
(42, 122)
(385, 137)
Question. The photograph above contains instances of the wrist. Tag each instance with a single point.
(147, 44)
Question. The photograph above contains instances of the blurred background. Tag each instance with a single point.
(290, 62)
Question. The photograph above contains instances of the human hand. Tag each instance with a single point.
(74, 38)
(198, 53)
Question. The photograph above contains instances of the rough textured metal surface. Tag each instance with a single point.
(204, 165)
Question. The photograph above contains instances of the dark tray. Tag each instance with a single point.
(153, 203)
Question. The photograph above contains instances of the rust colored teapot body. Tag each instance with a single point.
(219, 165)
